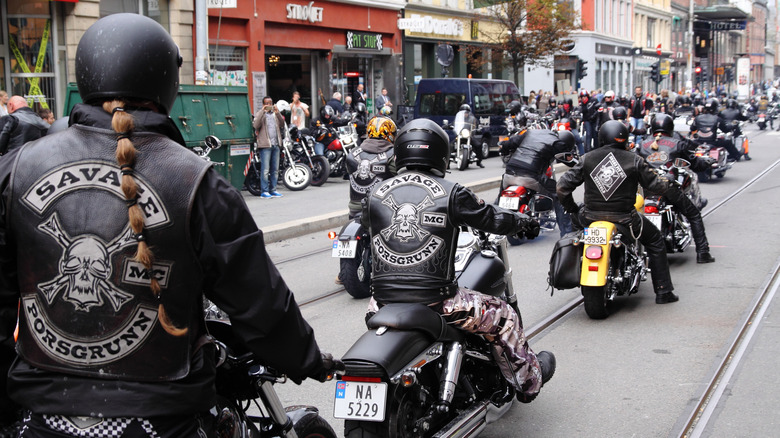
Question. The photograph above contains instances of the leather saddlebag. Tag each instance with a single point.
(565, 263)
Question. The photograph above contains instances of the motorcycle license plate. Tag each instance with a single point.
(509, 203)
(363, 401)
(655, 219)
(344, 248)
(595, 236)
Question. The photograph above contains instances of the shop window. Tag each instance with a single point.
(154, 9)
(288, 73)
(30, 45)
(228, 65)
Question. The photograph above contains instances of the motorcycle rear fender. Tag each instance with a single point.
(597, 277)
(351, 231)
(392, 351)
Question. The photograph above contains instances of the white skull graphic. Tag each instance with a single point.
(406, 220)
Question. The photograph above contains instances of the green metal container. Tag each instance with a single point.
(202, 110)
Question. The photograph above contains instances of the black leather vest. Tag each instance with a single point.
(31, 127)
(413, 240)
(87, 308)
(611, 179)
(536, 151)
(668, 150)
(366, 170)
(707, 126)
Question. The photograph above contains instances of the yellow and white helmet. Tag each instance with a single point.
(381, 127)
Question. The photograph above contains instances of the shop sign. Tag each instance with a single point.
(304, 12)
(222, 3)
(428, 24)
(364, 40)
(609, 49)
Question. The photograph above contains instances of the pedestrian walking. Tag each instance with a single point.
(268, 125)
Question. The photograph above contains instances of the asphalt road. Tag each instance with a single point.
(637, 373)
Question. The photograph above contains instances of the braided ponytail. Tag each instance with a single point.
(123, 124)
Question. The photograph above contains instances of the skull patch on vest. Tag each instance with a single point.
(608, 175)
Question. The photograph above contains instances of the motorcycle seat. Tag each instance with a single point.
(414, 316)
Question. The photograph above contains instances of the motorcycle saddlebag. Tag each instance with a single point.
(565, 263)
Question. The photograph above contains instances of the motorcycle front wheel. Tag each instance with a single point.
(463, 158)
(312, 426)
(297, 177)
(320, 170)
(252, 181)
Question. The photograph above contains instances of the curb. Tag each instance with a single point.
(337, 219)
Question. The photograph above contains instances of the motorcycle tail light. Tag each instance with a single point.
(514, 192)
(651, 209)
(332, 235)
(361, 379)
(593, 253)
(593, 268)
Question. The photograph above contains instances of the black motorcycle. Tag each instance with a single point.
(353, 249)
(673, 225)
(413, 375)
(243, 383)
(302, 148)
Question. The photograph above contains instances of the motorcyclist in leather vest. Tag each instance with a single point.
(611, 196)
(414, 219)
(531, 153)
(663, 149)
(104, 347)
(372, 162)
(474, 128)
(705, 129)
(732, 115)
(329, 119)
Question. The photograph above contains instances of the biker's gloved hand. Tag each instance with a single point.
(532, 229)
(330, 366)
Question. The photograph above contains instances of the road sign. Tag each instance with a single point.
(658, 49)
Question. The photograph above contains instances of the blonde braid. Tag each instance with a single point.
(123, 124)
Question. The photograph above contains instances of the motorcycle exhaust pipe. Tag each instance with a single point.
(472, 422)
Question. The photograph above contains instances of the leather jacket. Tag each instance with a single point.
(611, 176)
(29, 127)
(706, 126)
(84, 281)
(413, 220)
(533, 152)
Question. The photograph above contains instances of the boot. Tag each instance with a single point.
(668, 297)
(547, 363)
(746, 157)
(704, 257)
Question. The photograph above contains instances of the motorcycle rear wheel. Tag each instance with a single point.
(595, 301)
(400, 416)
(297, 177)
(252, 181)
(351, 272)
(320, 170)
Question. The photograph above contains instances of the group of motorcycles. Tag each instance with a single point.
(299, 166)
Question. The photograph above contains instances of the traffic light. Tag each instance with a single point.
(655, 73)
(582, 69)
(704, 75)
(729, 75)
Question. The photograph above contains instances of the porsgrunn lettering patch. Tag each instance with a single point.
(608, 175)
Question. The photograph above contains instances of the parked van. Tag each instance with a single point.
(440, 99)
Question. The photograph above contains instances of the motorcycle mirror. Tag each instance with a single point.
(213, 142)
(681, 163)
(567, 158)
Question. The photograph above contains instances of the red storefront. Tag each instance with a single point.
(307, 46)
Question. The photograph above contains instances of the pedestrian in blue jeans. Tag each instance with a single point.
(269, 126)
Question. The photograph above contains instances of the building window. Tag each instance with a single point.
(650, 32)
(154, 9)
(228, 65)
(31, 60)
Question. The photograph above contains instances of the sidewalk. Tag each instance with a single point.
(325, 208)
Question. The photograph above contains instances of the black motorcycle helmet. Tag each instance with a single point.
(128, 56)
(422, 143)
(613, 132)
(567, 138)
(360, 108)
(732, 104)
(327, 112)
(515, 107)
(465, 107)
(711, 106)
(552, 102)
(620, 113)
(662, 123)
